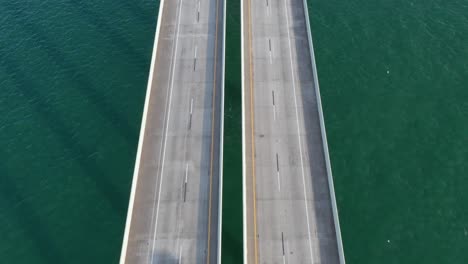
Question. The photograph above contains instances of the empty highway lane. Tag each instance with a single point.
(289, 214)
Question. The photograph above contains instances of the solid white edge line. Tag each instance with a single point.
(220, 203)
(128, 223)
(244, 207)
(324, 139)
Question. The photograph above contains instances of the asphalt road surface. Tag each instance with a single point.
(288, 207)
(174, 214)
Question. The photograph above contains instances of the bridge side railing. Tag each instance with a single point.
(324, 139)
(221, 139)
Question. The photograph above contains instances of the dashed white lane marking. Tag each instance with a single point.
(186, 172)
(278, 171)
(274, 105)
(198, 12)
(269, 52)
(268, 7)
(191, 105)
(274, 113)
(278, 176)
(180, 255)
(195, 58)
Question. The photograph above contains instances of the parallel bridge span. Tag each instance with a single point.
(290, 213)
(175, 203)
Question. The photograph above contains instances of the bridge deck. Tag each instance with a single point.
(174, 206)
(288, 207)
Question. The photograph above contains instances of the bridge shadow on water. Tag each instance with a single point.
(74, 72)
(139, 11)
(31, 92)
(19, 208)
(112, 33)
(33, 95)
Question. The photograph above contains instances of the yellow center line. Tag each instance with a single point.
(212, 134)
(252, 135)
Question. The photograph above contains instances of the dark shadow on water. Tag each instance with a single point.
(86, 87)
(51, 117)
(29, 220)
(111, 31)
(146, 16)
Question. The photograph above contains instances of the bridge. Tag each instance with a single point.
(174, 211)
(290, 212)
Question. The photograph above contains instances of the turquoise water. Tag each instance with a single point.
(393, 77)
(73, 79)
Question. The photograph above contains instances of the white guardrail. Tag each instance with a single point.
(244, 194)
(324, 140)
(123, 254)
(221, 139)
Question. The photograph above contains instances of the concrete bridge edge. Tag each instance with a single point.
(221, 138)
(324, 139)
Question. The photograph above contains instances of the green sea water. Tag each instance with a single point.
(393, 76)
(72, 85)
(394, 81)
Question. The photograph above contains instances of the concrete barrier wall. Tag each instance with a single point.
(324, 139)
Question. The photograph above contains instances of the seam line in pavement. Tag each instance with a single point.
(252, 132)
(212, 133)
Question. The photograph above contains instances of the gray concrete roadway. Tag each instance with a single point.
(173, 213)
(288, 209)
